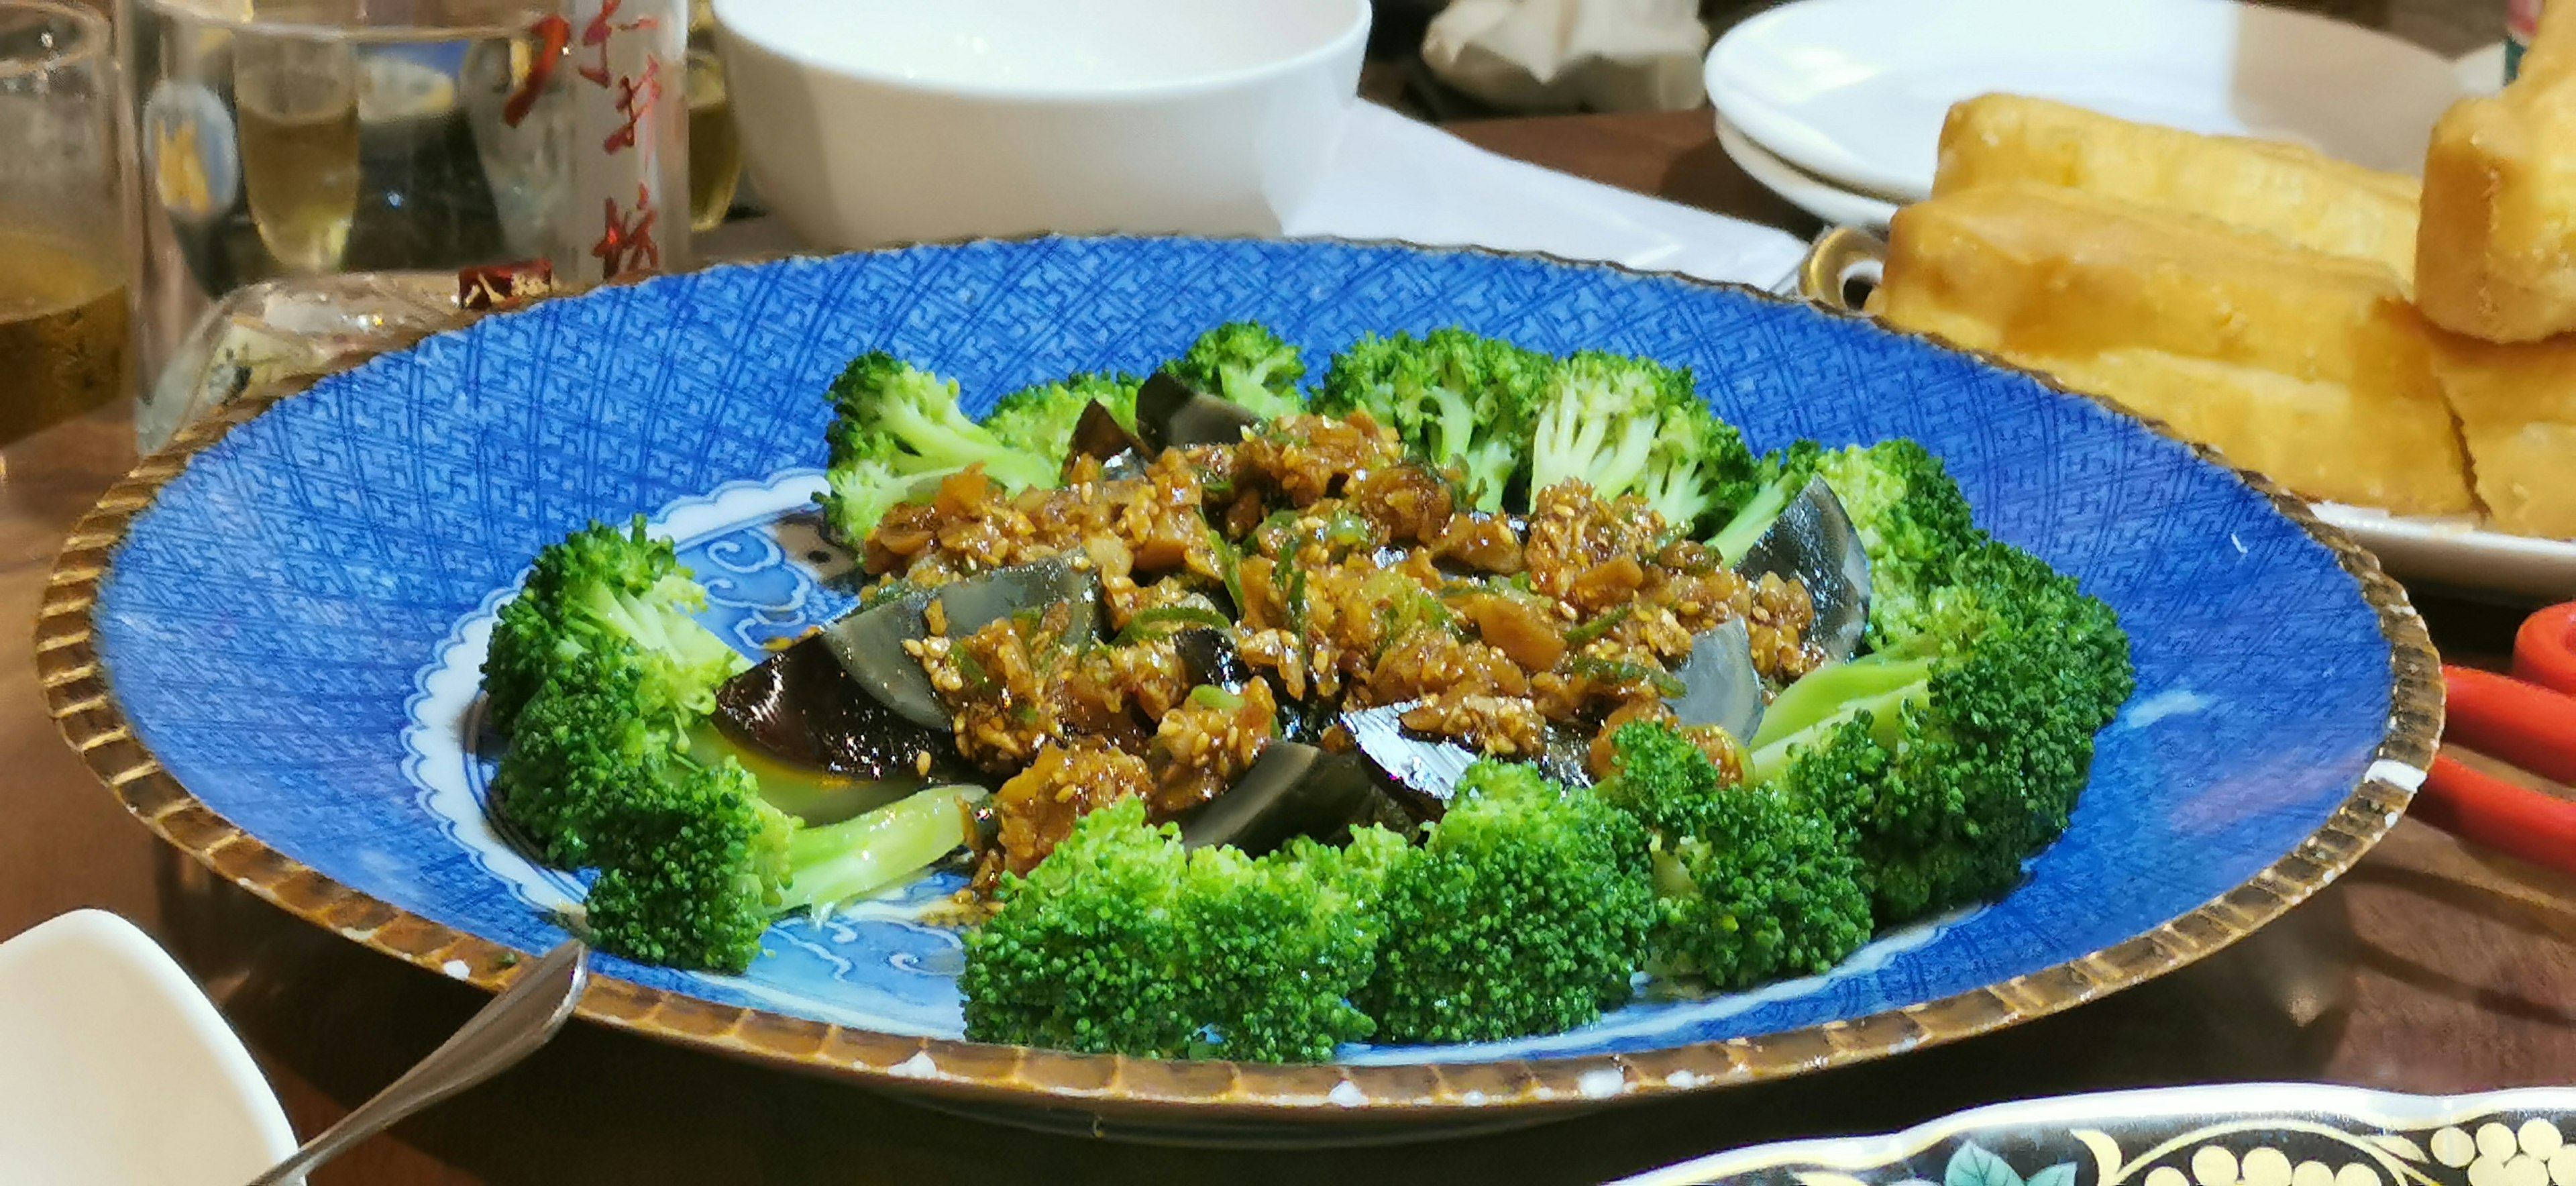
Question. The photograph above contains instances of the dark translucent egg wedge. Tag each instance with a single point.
(1568, 758)
(1209, 659)
(1427, 769)
(1293, 790)
(822, 748)
(1719, 684)
(802, 707)
(1099, 435)
(1814, 542)
(1171, 414)
(869, 643)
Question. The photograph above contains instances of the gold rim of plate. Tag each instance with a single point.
(81, 699)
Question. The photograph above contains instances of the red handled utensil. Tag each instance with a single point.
(2528, 720)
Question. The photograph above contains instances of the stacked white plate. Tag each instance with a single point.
(1837, 104)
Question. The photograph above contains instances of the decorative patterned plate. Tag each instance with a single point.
(2225, 1135)
(265, 642)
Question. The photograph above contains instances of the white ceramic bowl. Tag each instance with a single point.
(116, 1071)
(866, 122)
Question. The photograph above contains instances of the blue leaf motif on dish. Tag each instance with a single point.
(1974, 1165)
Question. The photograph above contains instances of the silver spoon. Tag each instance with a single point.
(508, 1029)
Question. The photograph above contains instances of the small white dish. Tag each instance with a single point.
(869, 122)
(2460, 553)
(116, 1071)
(1808, 192)
(1854, 91)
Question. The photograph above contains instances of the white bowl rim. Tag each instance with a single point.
(152, 967)
(1340, 44)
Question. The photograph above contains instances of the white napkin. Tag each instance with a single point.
(1396, 178)
(1558, 55)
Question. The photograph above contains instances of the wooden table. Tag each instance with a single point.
(2430, 968)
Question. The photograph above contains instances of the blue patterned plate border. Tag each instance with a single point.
(94, 721)
(2252, 1134)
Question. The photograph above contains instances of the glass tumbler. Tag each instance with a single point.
(63, 318)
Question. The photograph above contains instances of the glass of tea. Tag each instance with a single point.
(63, 322)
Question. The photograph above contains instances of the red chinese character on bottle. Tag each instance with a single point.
(596, 33)
(635, 98)
(626, 238)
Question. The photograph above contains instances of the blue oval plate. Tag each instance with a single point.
(274, 661)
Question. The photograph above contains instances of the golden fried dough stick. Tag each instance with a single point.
(2297, 195)
(2496, 255)
(2517, 407)
(2310, 368)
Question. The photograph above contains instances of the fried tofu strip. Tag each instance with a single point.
(2517, 407)
(2496, 256)
(2307, 367)
(2296, 195)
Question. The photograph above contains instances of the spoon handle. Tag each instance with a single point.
(508, 1029)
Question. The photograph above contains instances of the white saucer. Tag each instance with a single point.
(1854, 91)
(116, 1071)
(1806, 191)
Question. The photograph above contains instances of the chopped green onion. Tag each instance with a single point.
(1229, 565)
(1143, 624)
(1211, 696)
(1621, 671)
(1599, 626)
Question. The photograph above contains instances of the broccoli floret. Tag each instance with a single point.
(1628, 425)
(1777, 480)
(690, 860)
(896, 427)
(1459, 400)
(1085, 951)
(1958, 754)
(694, 863)
(1276, 947)
(1244, 362)
(1659, 777)
(1121, 940)
(1525, 912)
(599, 674)
(1041, 419)
(1913, 522)
(598, 591)
(578, 746)
(1751, 882)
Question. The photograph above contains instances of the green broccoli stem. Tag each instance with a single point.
(859, 856)
(1745, 529)
(1671, 876)
(1821, 693)
(1886, 725)
(813, 795)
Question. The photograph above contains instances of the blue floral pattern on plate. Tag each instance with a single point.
(297, 616)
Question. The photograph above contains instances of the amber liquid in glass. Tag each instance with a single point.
(299, 145)
(63, 346)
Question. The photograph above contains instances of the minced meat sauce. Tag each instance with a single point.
(1346, 576)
